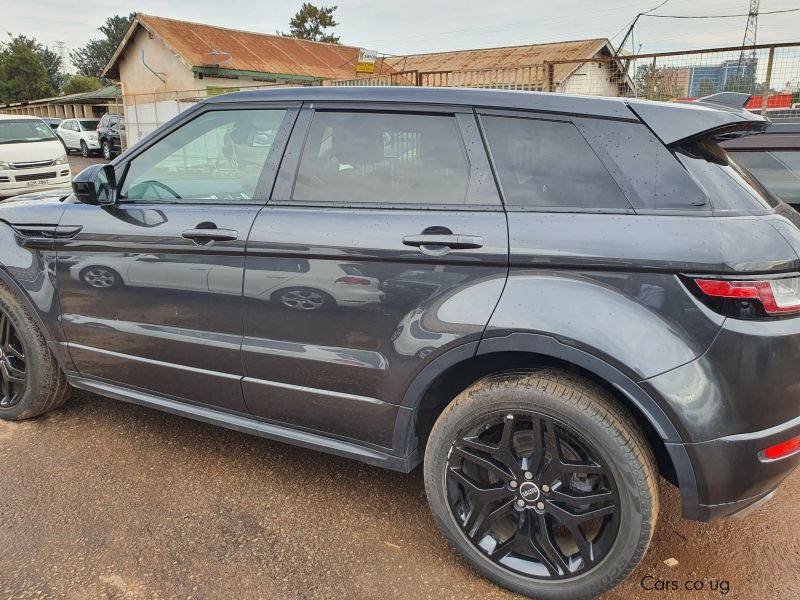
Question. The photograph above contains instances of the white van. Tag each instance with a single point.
(32, 158)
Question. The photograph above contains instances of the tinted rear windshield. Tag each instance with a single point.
(18, 131)
(730, 187)
(777, 170)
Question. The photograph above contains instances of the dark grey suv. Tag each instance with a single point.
(546, 300)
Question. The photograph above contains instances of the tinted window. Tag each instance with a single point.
(778, 171)
(647, 170)
(548, 164)
(383, 158)
(730, 187)
(217, 156)
(89, 125)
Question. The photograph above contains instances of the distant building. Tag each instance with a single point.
(84, 105)
(730, 75)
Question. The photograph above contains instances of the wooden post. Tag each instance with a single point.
(767, 82)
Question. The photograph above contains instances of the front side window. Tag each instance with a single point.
(548, 164)
(777, 170)
(218, 156)
(16, 131)
(384, 158)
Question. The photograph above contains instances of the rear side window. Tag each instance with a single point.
(731, 188)
(549, 165)
(386, 158)
(778, 171)
(647, 170)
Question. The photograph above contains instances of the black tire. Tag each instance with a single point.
(84, 150)
(101, 277)
(63, 143)
(577, 409)
(45, 388)
(303, 299)
(108, 153)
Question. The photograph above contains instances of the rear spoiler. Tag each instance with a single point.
(719, 116)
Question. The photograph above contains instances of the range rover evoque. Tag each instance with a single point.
(623, 302)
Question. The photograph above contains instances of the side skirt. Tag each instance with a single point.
(245, 424)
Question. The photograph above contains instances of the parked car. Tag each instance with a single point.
(31, 157)
(774, 158)
(627, 305)
(79, 134)
(111, 133)
(52, 122)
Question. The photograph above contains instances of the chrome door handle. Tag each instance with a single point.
(454, 241)
(211, 235)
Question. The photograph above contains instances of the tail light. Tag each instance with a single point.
(752, 298)
(782, 450)
(353, 280)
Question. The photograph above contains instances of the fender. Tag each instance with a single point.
(548, 346)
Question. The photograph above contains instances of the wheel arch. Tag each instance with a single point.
(51, 335)
(452, 372)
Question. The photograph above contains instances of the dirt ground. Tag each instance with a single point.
(103, 499)
(78, 163)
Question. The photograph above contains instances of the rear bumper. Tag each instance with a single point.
(730, 475)
(740, 397)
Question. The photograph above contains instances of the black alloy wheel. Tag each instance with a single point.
(13, 368)
(533, 495)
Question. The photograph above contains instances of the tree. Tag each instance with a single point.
(23, 77)
(53, 66)
(93, 57)
(76, 84)
(309, 23)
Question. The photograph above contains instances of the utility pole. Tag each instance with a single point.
(749, 40)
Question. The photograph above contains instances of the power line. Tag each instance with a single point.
(772, 12)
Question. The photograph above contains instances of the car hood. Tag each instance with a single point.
(40, 208)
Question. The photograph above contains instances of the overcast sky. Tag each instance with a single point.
(408, 26)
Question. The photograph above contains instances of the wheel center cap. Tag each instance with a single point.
(529, 492)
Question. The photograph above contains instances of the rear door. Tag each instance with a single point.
(384, 245)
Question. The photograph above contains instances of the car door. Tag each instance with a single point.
(139, 308)
(67, 134)
(367, 196)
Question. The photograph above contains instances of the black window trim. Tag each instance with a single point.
(476, 160)
(268, 174)
(541, 116)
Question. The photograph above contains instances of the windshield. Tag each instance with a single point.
(89, 125)
(25, 130)
(778, 171)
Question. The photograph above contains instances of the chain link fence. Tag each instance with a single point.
(770, 73)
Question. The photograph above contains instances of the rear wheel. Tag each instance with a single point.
(108, 153)
(304, 299)
(30, 379)
(543, 483)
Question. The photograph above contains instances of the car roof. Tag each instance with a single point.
(669, 120)
(778, 136)
(18, 117)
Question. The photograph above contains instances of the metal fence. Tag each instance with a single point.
(769, 72)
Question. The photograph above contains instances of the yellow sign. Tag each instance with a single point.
(366, 61)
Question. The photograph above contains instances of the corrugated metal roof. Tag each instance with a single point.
(250, 51)
(498, 58)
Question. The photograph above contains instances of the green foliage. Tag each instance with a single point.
(76, 84)
(706, 87)
(93, 57)
(310, 22)
(23, 74)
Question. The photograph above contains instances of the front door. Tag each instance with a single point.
(384, 246)
(150, 288)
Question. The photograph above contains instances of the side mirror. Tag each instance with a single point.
(96, 185)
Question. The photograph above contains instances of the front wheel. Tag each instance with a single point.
(84, 149)
(543, 483)
(108, 154)
(30, 379)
